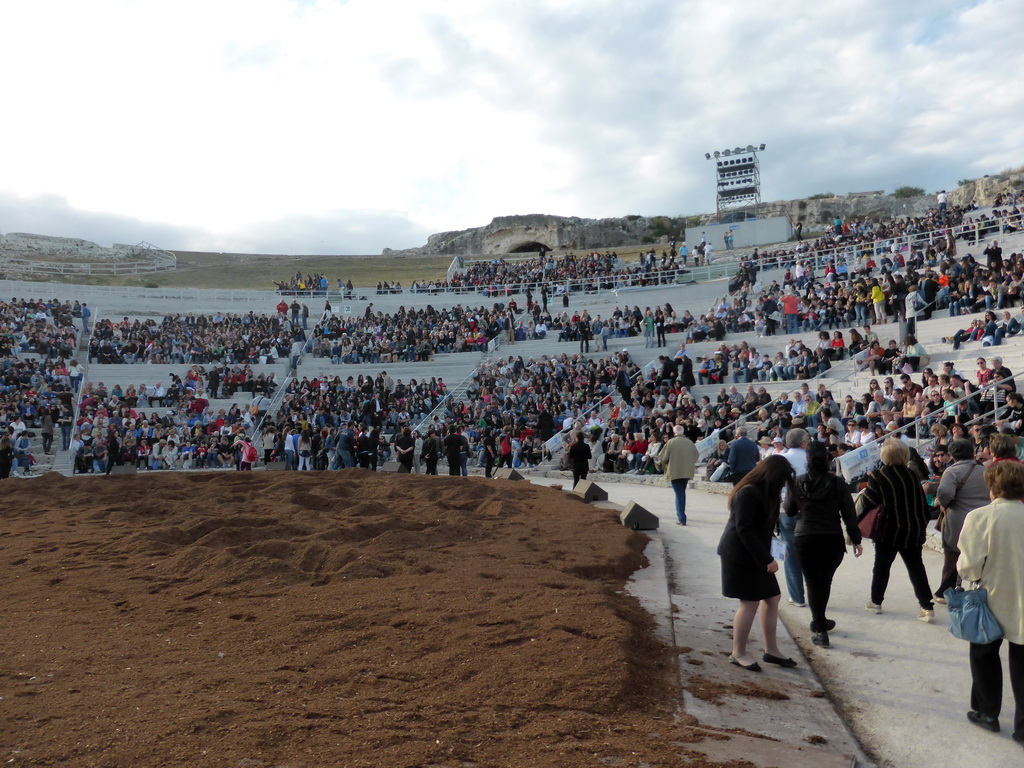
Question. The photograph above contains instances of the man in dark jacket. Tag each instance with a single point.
(346, 450)
(743, 455)
(455, 446)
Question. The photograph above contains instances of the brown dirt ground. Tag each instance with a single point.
(341, 619)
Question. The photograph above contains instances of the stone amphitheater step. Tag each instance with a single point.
(150, 374)
(451, 368)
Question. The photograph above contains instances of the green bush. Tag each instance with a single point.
(822, 196)
(672, 227)
(965, 182)
(905, 192)
(647, 239)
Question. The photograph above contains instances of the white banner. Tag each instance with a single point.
(707, 445)
(859, 462)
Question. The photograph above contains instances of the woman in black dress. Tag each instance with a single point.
(748, 568)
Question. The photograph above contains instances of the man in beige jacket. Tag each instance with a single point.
(679, 462)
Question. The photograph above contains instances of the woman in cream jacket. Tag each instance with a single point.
(991, 543)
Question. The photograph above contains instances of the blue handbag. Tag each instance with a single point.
(970, 618)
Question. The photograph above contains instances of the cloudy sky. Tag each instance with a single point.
(325, 126)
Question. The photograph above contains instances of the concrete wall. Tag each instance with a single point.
(745, 234)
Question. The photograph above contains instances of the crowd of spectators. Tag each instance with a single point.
(46, 328)
(37, 340)
(331, 413)
(315, 284)
(180, 430)
(550, 276)
(231, 338)
(409, 334)
(931, 404)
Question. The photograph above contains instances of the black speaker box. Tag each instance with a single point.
(637, 518)
(589, 491)
(505, 473)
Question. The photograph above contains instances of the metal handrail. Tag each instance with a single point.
(66, 458)
(959, 400)
(447, 397)
(278, 399)
(876, 444)
(463, 386)
(275, 405)
(878, 247)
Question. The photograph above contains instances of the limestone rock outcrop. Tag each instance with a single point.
(539, 232)
(20, 245)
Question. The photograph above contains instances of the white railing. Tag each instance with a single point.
(153, 259)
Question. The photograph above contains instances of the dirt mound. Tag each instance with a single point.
(343, 618)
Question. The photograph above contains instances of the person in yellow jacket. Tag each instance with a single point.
(991, 543)
(679, 463)
(878, 300)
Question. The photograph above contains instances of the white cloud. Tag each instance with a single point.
(225, 120)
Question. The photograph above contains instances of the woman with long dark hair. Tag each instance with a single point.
(824, 505)
(748, 568)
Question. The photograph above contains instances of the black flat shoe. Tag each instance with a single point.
(821, 639)
(988, 723)
(829, 626)
(752, 667)
(778, 661)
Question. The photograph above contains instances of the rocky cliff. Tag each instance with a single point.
(539, 232)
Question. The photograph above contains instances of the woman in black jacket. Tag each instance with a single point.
(825, 506)
(905, 516)
(748, 568)
(405, 447)
(579, 459)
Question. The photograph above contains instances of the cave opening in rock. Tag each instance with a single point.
(531, 247)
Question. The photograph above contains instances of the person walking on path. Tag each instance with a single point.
(898, 490)
(990, 545)
(796, 441)
(579, 459)
(748, 568)
(679, 458)
(743, 455)
(823, 506)
(962, 488)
